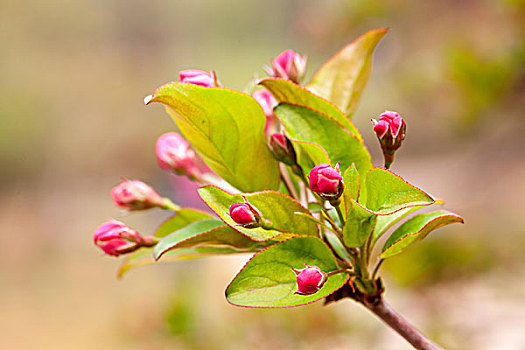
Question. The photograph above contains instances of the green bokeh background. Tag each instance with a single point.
(73, 76)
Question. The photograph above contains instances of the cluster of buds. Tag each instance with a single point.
(174, 153)
(327, 182)
(288, 65)
(199, 77)
(137, 195)
(115, 239)
(390, 130)
(309, 279)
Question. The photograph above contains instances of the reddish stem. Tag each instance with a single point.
(401, 325)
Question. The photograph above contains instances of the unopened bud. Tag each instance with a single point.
(309, 279)
(268, 103)
(288, 65)
(174, 153)
(199, 77)
(115, 238)
(282, 149)
(326, 181)
(245, 215)
(136, 195)
(390, 130)
(266, 100)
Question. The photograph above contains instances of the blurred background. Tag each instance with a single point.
(73, 77)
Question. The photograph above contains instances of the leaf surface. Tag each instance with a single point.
(268, 280)
(415, 229)
(344, 76)
(144, 256)
(286, 91)
(187, 232)
(226, 128)
(358, 226)
(305, 124)
(387, 193)
(279, 208)
(180, 219)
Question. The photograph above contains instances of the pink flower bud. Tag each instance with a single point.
(381, 128)
(115, 238)
(174, 153)
(326, 181)
(245, 215)
(388, 121)
(288, 65)
(268, 103)
(266, 100)
(198, 77)
(282, 149)
(390, 130)
(135, 195)
(309, 279)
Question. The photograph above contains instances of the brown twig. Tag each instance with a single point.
(400, 325)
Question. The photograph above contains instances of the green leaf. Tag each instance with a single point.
(384, 222)
(222, 236)
(310, 154)
(180, 219)
(286, 91)
(315, 207)
(226, 128)
(388, 193)
(268, 280)
(277, 207)
(305, 124)
(358, 226)
(344, 76)
(144, 256)
(336, 244)
(192, 230)
(415, 229)
(352, 188)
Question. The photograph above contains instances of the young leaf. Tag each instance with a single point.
(222, 236)
(286, 91)
(277, 207)
(226, 128)
(352, 188)
(184, 233)
(310, 154)
(384, 222)
(387, 193)
(144, 256)
(415, 229)
(358, 226)
(344, 76)
(267, 280)
(180, 219)
(305, 124)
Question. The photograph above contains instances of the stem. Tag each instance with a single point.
(376, 268)
(288, 188)
(401, 325)
(366, 249)
(389, 159)
(336, 229)
(340, 214)
(169, 205)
